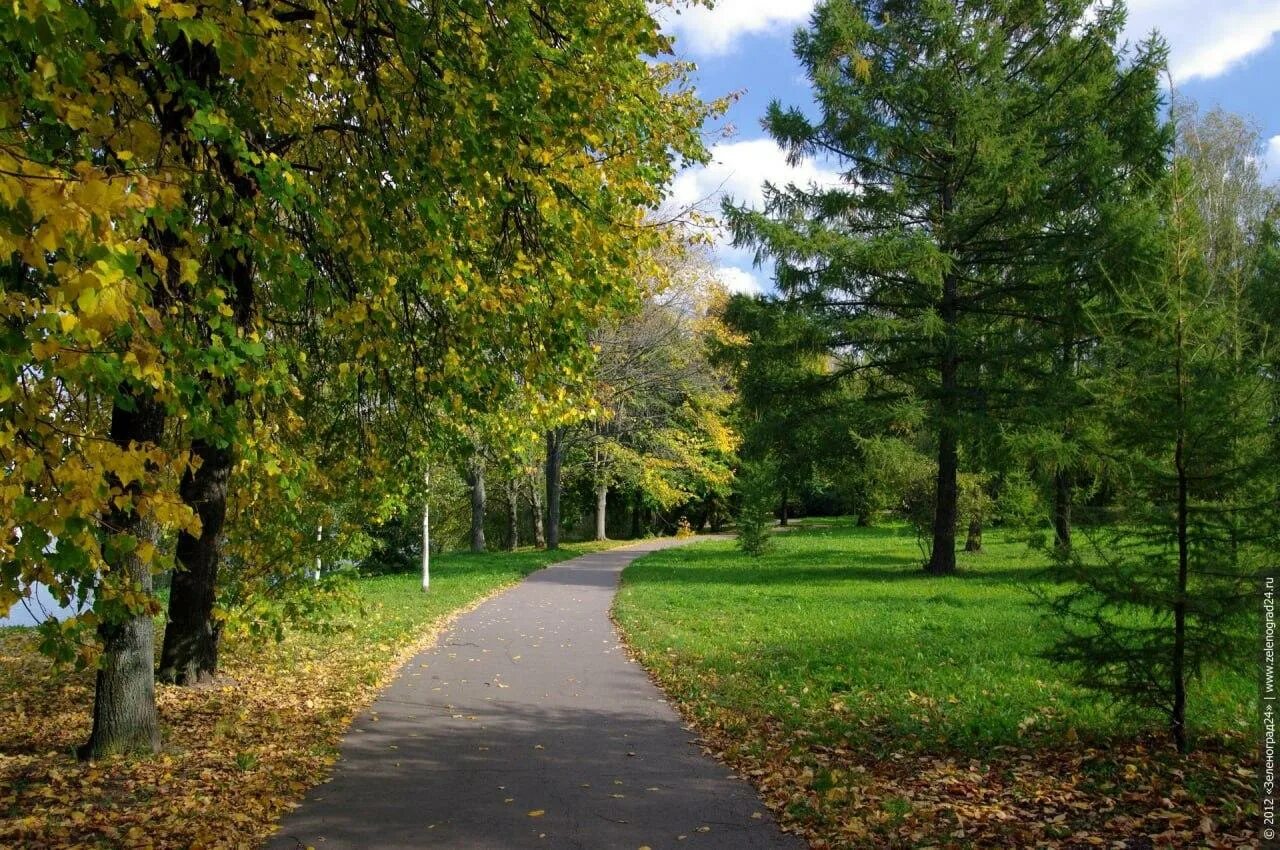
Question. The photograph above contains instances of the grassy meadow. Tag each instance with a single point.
(874, 704)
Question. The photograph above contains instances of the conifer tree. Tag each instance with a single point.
(976, 142)
(1161, 585)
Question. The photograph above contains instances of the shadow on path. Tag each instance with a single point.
(527, 726)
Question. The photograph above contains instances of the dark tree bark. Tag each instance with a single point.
(946, 500)
(513, 515)
(782, 514)
(124, 701)
(974, 541)
(637, 530)
(555, 439)
(475, 481)
(943, 559)
(1062, 509)
(1178, 717)
(191, 636)
(602, 511)
(535, 502)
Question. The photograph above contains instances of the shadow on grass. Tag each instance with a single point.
(716, 566)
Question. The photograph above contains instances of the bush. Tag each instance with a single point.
(756, 486)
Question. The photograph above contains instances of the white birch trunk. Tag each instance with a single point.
(602, 506)
(426, 540)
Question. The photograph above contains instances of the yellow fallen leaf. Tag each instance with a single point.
(537, 813)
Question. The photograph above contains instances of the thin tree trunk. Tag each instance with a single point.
(513, 515)
(554, 445)
(426, 540)
(475, 480)
(535, 502)
(1062, 509)
(1178, 718)
(942, 561)
(636, 531)
(783, 513)
(191, 635)
(124, 700)
(602, 508)
(974, 541)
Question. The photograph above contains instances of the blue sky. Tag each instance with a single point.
(1222, 53)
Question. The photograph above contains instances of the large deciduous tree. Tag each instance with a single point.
(206, 208)
(659, 428)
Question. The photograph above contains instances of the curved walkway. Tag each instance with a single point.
(528, 726)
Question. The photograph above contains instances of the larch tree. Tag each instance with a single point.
(973, 141)
(1185, 392)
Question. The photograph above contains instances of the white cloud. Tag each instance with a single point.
(739, 170)
(738, 280)
(1271, 159)
(715, 31)
(1206, 39)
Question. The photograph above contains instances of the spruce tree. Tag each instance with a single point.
(978, 143)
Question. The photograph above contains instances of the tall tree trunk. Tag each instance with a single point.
(475, 481)
(190, 652)
(124, 700)
(974, 541)
(192, 634)
(1062, 509)
(1178, 717)
(602, 509)
(555, 438)
(945, 511)
(782, 519)
(535, 502)
(636, 531)
(426, 539)
(513, 515)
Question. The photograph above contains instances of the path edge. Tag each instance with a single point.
(713, 744)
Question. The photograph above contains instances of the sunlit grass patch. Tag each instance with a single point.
(842, 673)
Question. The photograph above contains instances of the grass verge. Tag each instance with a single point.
(875, 706)
(237, 753)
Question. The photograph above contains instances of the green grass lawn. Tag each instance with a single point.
(838, 641)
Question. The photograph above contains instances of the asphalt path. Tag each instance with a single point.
(527, 725)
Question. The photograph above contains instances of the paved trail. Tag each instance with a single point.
(527, 726)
